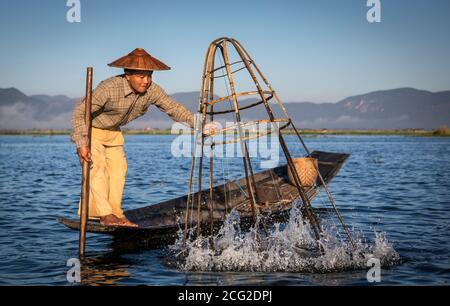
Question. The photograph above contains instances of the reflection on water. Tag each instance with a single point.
(104, 270)
(396, 185)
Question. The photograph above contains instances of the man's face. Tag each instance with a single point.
(140, 81)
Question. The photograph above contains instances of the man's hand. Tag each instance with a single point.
(84, 154)
(210, 128)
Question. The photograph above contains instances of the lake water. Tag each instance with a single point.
(396, 186)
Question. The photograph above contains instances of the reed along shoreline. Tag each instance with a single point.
(442, 131)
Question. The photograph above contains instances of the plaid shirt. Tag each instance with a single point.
(112, 107)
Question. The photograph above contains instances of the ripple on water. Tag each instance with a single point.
(396, 185)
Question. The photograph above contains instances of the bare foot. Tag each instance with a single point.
(127, 222)
(111, 220)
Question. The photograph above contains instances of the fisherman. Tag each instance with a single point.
(115, 102)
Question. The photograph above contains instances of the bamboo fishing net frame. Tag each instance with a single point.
(206, 107)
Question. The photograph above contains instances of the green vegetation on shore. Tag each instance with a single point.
(441, 131)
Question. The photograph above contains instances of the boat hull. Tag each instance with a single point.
(159, 223)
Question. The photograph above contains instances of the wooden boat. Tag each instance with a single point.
(159, 223)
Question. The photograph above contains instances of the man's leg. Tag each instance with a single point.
(99, 206)
(116, 166)
(117, 169)
(99, 183)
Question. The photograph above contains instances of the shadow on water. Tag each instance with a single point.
(121, 246)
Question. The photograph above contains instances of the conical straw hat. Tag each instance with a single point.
(139, 59)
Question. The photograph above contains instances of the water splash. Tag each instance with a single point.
(289, 247)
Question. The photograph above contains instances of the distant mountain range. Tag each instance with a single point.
(385, 109)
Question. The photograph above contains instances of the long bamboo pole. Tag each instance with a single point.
(202, 112)
(84, 209)
(245, 157)
(211, 148)
(190, 199)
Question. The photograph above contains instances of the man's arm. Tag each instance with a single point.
(175, 110)
(79, 131)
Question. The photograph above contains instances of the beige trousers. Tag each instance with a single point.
(107, 173)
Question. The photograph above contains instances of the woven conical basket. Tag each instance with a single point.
(306, 171)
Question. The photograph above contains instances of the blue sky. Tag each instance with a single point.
(317, 50)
